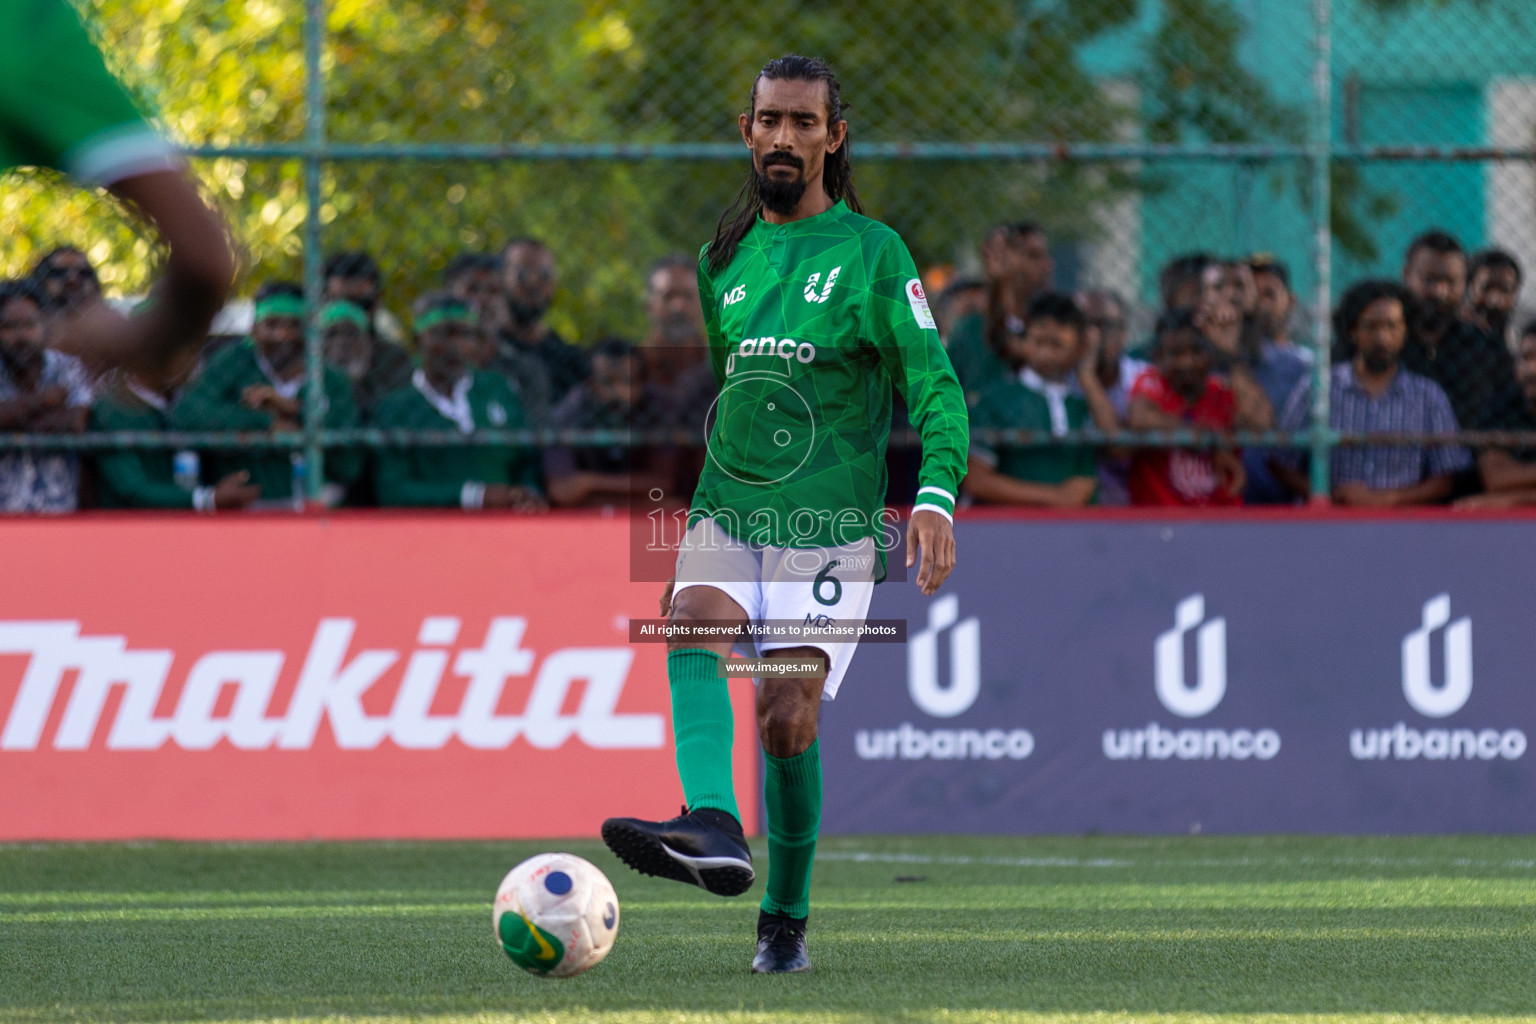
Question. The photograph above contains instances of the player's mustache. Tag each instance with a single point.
(788, 159)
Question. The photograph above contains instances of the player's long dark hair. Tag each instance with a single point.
(837, 174)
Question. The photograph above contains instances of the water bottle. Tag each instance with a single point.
(300, 479)
(186, 468)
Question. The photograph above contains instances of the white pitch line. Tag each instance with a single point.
(865, 857)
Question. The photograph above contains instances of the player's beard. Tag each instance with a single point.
(781, 196)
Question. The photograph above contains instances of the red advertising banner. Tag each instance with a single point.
(347, 677)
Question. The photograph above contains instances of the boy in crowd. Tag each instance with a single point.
(375, 368)
(1053, 386)
(147, 477)
(260, 384)
(449, 393)
(1181, 392)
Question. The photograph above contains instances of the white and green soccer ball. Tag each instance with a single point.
(556, 915)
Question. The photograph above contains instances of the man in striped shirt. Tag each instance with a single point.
(1372, 393)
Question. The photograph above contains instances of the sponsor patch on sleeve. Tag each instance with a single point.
(919, 303)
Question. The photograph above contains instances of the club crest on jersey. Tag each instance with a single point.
(826, 289)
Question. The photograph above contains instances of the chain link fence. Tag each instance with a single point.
(1321, 135)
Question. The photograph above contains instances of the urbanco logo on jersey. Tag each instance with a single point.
(938, 699)
(1179, 696)
(826, 289)
(1403, 742)
(330, 686)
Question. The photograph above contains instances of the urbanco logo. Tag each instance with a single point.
(934, 698)
(1451, 696)
(1211, 660)
(964, 661)
(1403, 742)
(1176, 694)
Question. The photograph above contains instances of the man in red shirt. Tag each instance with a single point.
(1179, 392)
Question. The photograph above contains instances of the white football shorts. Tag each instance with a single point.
(823, 585)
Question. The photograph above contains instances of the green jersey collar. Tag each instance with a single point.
(837, 211)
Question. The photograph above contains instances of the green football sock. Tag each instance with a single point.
(703, 725)
(793, 795)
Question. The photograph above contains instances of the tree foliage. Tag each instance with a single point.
(605, 71)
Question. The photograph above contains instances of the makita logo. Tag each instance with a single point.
(1437, 700)
(330, 687)
(1192, 632)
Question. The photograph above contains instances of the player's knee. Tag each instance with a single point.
(786, 721)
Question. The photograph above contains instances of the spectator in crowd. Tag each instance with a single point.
(961, 298)
(260, 384)
(528, 282)
(1181, 284)
(475, 278)
(1053, 387)
(1274, 304)
(354, 276)
(154, 477)
(1373, 391)
(41, 392)
(615, 397)
(1104, 333)
(448, 393)
(1182, 391)
(65, 279)
(1471, 366)
(1278, 366)
(1018, 265)
(674, 342)
(1493, 293)
(375, 368)
(1509, 473)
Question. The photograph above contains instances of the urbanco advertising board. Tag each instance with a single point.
(1239, 676)
(407, 676)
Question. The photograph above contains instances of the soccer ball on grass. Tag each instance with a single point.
(556, 915)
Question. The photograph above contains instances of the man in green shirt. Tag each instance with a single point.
(61, 108)
(448, 393)
(259, 385)
(813, 312)
(1052, 385)
(147, 477)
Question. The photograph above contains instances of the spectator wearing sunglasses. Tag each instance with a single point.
(64, 280)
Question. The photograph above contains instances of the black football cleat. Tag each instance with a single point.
(704, 848)
(780, 945)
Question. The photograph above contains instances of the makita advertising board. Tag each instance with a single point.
(1262, 675)
(349, 677)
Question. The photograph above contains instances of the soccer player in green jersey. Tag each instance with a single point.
(813, 312)
(61, 108)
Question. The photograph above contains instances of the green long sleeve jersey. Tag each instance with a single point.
(59, 105)
(212, 402)
(809, 327)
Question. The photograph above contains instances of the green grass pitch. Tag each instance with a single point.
(933, 929)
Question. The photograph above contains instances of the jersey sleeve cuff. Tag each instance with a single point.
(939, 498)
(926, 506)
(123, 152)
